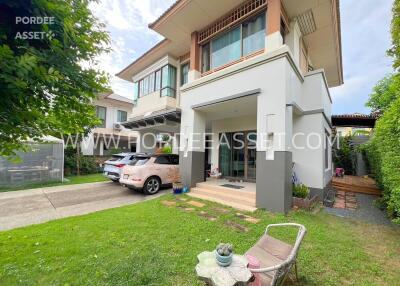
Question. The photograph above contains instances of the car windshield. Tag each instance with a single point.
(116, 158)
(139, 161)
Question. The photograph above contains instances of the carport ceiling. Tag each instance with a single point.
(231, 108)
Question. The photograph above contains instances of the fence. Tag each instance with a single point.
(44, 162)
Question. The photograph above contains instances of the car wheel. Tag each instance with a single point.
(152, 186)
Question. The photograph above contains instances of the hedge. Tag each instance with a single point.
(383, 153)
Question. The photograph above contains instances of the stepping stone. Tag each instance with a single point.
(248, 218)
(196, 204)
(207, 216)
(221, 210)
(189, 209)
(168, 203)
(181, 199)
(236, 226)
(252, 220)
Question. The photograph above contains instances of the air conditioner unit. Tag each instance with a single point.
(118, 126)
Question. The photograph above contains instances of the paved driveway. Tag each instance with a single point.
(34, 206)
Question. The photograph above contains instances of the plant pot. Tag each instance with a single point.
(306, 203)
(223, 260)
(177, 187)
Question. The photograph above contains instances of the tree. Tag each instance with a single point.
(394, 51)
(384, 93)
(44, 85)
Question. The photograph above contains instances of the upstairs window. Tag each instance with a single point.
(168, 81)
(243, 40)
(122, 116)
(135, 92)
(163, 79)
(101, 114)
(184, 74)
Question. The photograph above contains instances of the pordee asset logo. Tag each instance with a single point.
(34, 35)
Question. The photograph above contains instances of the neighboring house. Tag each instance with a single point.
(111, 136)
(257, 70)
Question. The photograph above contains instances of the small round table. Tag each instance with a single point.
(235, 274)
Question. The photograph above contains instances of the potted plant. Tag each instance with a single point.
(177, 185)
(301, 196)
(224, 254)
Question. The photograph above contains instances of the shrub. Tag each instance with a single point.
(301, 191)
(167, 149)
(87, 164)
(383, 153)
(345, 156)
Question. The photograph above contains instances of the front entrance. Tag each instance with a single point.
(237, 155)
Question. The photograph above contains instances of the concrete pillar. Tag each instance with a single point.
(274, 157)
(191, 149)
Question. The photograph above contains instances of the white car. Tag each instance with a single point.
(113, 166)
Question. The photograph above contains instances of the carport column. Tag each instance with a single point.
(274, 158)
(191, 149)
(146, 142)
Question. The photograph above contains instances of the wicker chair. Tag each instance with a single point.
(276, 257)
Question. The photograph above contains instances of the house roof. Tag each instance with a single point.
(116, 97)
(185, 16)
(354, 120)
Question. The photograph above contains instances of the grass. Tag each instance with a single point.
(152, 244)
(72, 180)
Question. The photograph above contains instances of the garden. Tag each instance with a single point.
(156, 243)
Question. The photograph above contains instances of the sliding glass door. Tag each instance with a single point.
(237, 155)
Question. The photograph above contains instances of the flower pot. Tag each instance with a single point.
(223, 260)
(177, 187)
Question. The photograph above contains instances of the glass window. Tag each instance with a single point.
(139, 161)
(141, 90)
(151, 82)
(122, 116)
(226, 48)
(168, 78)
(158, 80)
(184, 74)
(174, 159)
(164, 160)
(145, 85)
(101, 114)
(135, 91)
(205, 61)
(253, 35)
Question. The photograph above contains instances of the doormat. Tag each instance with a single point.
(232, 186)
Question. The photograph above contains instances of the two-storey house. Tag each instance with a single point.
(111, 136)
(246, 86)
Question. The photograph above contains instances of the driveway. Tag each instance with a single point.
(34, 206)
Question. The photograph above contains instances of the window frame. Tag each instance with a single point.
(184, 64)
(120, 112)
(209, 43)
(156, 87)
(103, 125)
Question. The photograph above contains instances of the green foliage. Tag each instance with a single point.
(384, 93)
(383, 152)
(345, 156)
(300, 191)
(167, 149)
(87, 164)
(394, 51)
(121, 246)
(44, 87)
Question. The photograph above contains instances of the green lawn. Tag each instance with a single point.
(71, 181)
(152, 244)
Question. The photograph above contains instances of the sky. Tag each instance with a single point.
(365, 40)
